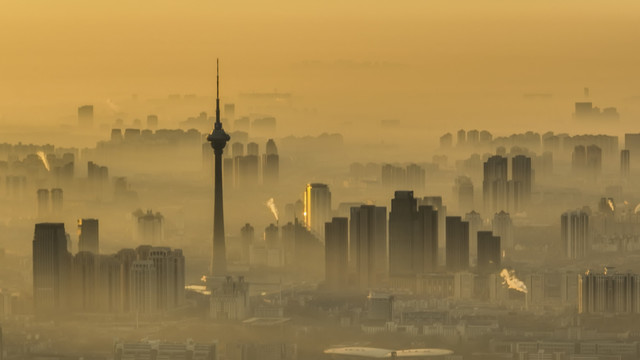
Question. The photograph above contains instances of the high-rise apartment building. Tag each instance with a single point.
(336, 235)
(368, 245)
(51, 269)
(457, 244)
(88, 236)
(489, 253)
(494, 185)
(574, 231)
(317, 207)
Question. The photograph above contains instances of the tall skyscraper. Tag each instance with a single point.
(521, 173)
(88, 236)
(425, 254)
(336, 235)
(494, 185)
(441, 208)
(368, 245)
(402, 218)
(51, 269)
(457, 244)
(317, 207)
(413, 236)
(85, 116)
(489, 254)
(625, 163)
(574, 230)
(218, 139)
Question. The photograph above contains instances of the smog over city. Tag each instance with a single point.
(300, 180)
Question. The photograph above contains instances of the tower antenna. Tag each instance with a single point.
(217, 92)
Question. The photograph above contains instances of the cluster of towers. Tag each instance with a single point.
(499, 192)
(359, 254)
(145, 280)
(243, 170)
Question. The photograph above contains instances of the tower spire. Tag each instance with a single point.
(217, 93)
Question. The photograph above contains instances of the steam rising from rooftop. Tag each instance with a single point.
(509, 278)
(272, 206)
(44, 160)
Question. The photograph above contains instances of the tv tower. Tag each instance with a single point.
(218, 139)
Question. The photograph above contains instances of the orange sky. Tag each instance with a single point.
(486, 53)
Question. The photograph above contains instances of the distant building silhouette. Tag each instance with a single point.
(270, 164)
(247, 235)
(503, 227)
(88, 235)
(574, 231)
(625, 163)
(57, 201)
(463, 189)
(446, 141)
(149, 227)
(579, 160)
(43, 203)
(494, 185)
(231, 300)
(594, 161)
(461, 138)
(586, 111)
(85, 116)
(475, 224)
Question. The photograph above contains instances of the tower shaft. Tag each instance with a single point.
(218, 139)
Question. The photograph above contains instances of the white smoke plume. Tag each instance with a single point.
(509, 278)
(611, 205)
(272, 206)
(44, 160)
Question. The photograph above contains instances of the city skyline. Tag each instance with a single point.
(370, 180)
